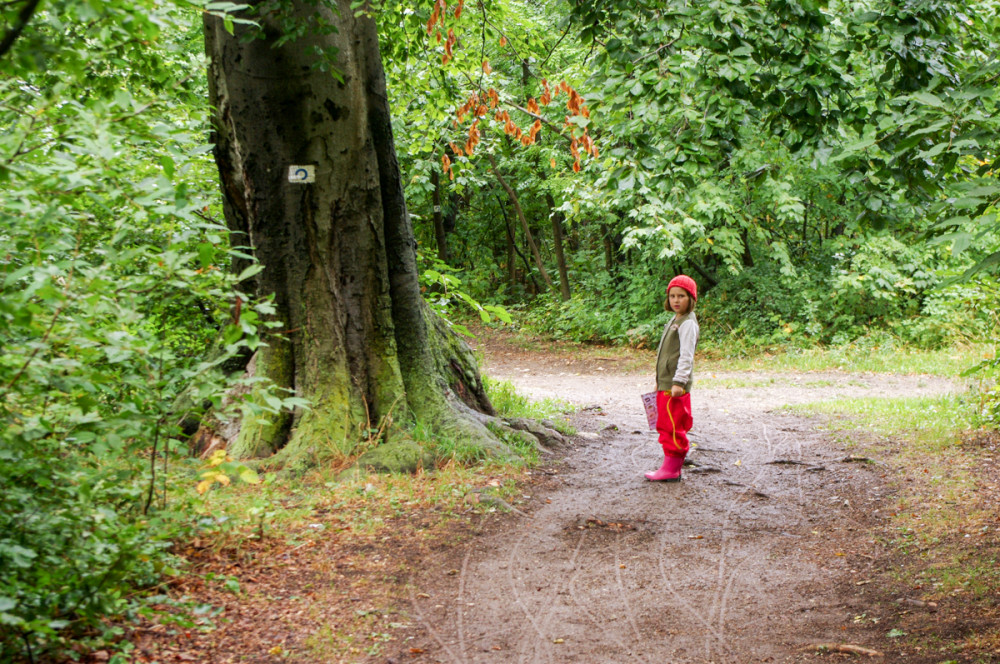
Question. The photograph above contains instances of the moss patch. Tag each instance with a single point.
(403, 455)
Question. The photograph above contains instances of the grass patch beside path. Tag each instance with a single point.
(509, 403)
(943, 530)
(949, 362)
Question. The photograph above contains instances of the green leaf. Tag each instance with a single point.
(928, 99)
(206, 253)
(499, 312)
(249, 475)
(250, 271)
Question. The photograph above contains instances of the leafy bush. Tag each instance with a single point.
(88, 427)
(846, 294)
(114, 289)
(626, 307)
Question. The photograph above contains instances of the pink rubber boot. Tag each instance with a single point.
(670, 471)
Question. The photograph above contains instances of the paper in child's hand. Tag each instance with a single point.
(649, 403)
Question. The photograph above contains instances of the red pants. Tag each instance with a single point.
(673, 421)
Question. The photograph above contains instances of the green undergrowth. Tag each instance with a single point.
(222, 506)
(942, 529)
(510, 403)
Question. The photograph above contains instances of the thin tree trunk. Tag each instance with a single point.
(511, 243)
(524, 222)
(747, 256)
(439, 231)
(805, 225)
(557, 239)
(557, 242)
(609, 258)
(704, 273)
(513, 251)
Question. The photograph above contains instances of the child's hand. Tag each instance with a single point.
(676, 391)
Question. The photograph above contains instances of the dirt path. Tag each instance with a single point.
(762, 549)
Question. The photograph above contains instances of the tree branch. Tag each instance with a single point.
(22, 22)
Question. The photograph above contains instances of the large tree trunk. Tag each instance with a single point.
(339, 253)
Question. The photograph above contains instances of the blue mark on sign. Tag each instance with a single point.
(304, 174)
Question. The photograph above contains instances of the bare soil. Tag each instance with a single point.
(773, 545)
(758, 555)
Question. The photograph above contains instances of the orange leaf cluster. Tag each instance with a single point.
(470, 145)
(530, 138)
(436, 21)
(480, 105)
(437, 14)
(575, 103)
(452, 40)
(585, 142)
(546, 97)
(486, 67)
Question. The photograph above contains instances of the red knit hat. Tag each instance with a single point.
(685, 282)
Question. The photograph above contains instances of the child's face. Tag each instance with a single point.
(679, 300)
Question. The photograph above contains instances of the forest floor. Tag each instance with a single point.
(778, 546)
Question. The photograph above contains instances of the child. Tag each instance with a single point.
(674, 370)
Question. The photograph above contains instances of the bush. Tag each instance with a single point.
(90, 385)
(846, 294)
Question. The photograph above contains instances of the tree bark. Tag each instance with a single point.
(513, 252)
(511, 246)
(524, 222)
(339, 253)
(709, 279)
(439, 230)
(747, 255)
(557, 242)
(609, 249)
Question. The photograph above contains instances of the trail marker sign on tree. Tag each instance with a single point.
(305, 174)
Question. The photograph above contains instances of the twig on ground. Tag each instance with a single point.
(843, 647)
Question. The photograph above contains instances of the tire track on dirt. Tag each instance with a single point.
(582, 606)
(571, 588)
(526, 644)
